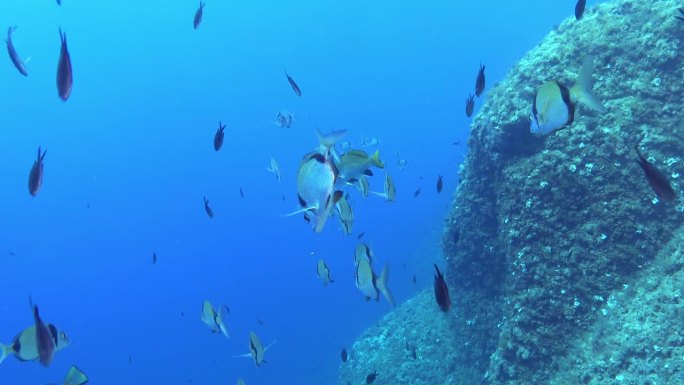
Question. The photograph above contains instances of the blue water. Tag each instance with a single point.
(129, 157)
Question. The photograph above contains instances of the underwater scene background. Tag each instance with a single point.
(130, 156)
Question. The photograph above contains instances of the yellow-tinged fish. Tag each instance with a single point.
(25, 345)
(256, 349)
(274, 168)
(75, 376)
(344, 210)
(390, 193)
(324, 273)
(554, 104)
(363, 186)
(370, 284)
(316, 182)
(355, 163)
(215, 320)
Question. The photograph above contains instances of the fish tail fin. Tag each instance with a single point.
(376, 160)
(380, 194)
(303, 210)
(5, 351)
(220, 321)
(382, 285)
(581, 91)
(328, 140)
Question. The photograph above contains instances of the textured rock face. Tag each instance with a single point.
(553, 243)
(543, 229)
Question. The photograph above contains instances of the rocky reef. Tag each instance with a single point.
(553, 243)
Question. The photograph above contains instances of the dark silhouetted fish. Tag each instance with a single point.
(442, 291)
(218, 138)
(45, 343)
(344, 355)
(198, 15)
(59, 2)
(361, 234)
(18, 63)
(242, 194)
(294, 85)
(414, 279)
(439, 185)
(64, 75)
(36, 174)
(416, 193)
(154, 258)
(659, 182)
(579, 8)
(210, 213)
(480, 81)
(371, 377)
(470, 105)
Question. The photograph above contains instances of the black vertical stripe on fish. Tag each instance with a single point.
(198, 15)
(439, 185)
(579, 8)
(218, 137)
(36, 174)
(470, 105)
(242, 193)
(65, 78)
(16, 60)
(441, 291)
(659, 182)
(208, 209)
(44, 340)
(480, 81)
(294, 85)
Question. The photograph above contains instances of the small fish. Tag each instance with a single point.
(363, 186)
(259, 321)
(323, 273)
(470, 105)
(65, 79)
(579, 8)
(12, 253)
(355, 163)
(198, 15)
(213, 319)
(344, 209)
(241, 382)
(402, 164)
(659, 182)
(14, 56)
(285, 119)
(130, 359)
(154, 258)
(554, 104)
(369, 141)
(242, 194)
(390, 193)
(208, 209)
(344, 355)
(414, 279)
(480, 81)
(316, 179)
(36, 175)
(457, 143)
(416, 193)
(294, 85)
(680, 17)
(218, 137)
(256, 349)
(182, 314)
(45, 343)
(274, 168)
(59, 2)
(441, 291)
(361, 234)
(439, 185)
(75, 376)
(25, 345)
(371, 377)
(283, 196)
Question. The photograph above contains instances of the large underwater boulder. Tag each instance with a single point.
(546, 232)
(543, 229)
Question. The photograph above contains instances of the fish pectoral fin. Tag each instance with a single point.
(380, 194)
(303, 210)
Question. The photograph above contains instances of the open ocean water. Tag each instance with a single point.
(130, 156)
